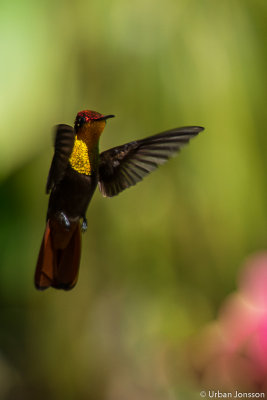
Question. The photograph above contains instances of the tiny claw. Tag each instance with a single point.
(84, 225)
(64, 220)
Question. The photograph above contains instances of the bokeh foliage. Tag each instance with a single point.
(158, 259)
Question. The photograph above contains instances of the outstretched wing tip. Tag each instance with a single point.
(199, 129)
(193, 129)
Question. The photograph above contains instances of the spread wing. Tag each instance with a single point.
(64, 142)
(124, 166)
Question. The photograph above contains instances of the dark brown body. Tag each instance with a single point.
(72, 195)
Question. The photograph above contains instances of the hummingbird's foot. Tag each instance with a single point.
(64, 220)
(84, 225)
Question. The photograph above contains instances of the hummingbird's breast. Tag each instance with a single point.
(79, 159)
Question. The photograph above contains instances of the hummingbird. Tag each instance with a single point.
(77, 168)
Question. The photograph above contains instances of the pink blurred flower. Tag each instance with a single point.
(231, 353)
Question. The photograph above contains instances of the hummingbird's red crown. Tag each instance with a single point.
(89, 115)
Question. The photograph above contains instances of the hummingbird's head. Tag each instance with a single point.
(91, 120)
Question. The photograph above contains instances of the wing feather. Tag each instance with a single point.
(123, 166)
(64, 142)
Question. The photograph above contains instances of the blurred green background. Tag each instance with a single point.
(159, 259)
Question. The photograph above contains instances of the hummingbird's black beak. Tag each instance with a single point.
(106, 117)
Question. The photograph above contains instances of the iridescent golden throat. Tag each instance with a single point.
(84, 156)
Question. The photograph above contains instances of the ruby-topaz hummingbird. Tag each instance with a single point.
(77, 168)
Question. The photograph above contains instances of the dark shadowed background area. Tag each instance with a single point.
(161, 259)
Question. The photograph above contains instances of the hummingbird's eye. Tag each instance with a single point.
(79, 122)
(82, 121)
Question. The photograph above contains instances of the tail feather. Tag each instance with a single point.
(58, 263)
(68, 262)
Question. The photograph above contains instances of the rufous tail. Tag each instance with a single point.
(59, 257)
